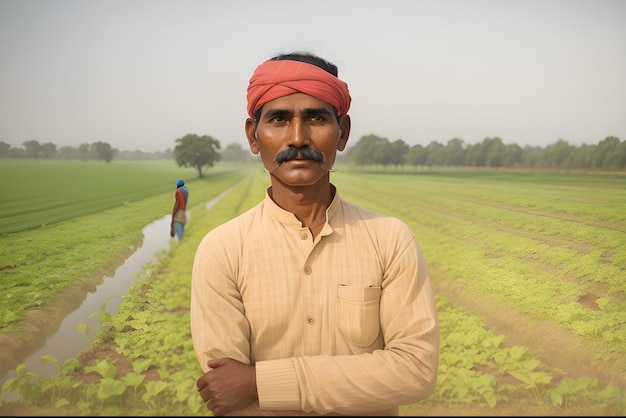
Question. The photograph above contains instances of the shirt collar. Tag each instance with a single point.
(289, 219)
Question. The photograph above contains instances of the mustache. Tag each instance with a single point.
(305, 151)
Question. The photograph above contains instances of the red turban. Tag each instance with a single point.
(274, 79)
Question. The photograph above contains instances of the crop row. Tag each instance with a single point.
(40, 193)
(493, 241)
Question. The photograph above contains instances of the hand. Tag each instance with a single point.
(172, 231)
(230, 386)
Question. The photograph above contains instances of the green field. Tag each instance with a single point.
(551, 246)
(529, 271)
(37, 193)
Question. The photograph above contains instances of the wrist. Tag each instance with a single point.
(252, 383)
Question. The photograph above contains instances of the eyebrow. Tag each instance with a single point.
(317, 111)
(306, 111)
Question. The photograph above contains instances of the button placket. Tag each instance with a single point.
(308, 286)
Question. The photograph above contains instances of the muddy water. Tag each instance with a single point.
(67, 342)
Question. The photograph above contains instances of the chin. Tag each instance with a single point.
(300, 178)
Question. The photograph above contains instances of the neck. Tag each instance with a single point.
(308, 203)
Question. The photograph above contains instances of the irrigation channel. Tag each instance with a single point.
(68, 341)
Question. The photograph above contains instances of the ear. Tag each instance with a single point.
(251, 135)
(344, 133)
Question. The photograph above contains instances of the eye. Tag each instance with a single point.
(276, 119)
(319, 118)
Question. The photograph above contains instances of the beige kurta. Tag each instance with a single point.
(345, 324)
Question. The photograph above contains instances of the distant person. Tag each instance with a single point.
(307, 303)
(179, 215)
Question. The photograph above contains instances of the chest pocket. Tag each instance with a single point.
(358, 316)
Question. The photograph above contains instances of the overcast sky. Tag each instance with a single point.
(139, 74)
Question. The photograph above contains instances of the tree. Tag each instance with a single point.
(512, 155)
(102, 151)
(196, 151)
(4, 149)
(48, 150)
(494, 148)
(582, 157)
(68, 153)
(83, 151)
(436, 153)
(370, 149)
(383, 153)
(454, 152)
(417, 155)
(619, 156)
(558, 154)
(606, 154)
(399, 150)
(235, 153)
(532, 157)
(33, 148)
(475, 155)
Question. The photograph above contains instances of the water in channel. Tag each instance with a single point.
(67, 342)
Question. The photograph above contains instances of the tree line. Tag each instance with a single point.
(98, 150)
(609, 154)
(204, 151)
(191, 150)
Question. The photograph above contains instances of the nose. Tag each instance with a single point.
(298, 133)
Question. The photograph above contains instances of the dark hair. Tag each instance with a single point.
(308, 58)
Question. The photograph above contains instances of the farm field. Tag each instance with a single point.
(41, 192)
(550, 247)
(529, 270)
(540, 256)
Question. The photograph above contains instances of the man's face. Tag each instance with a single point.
(298, 120)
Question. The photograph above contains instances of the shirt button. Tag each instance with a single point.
(308, 270)
(303, 236)
(310, 320)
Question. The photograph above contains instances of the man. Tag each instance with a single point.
(308, 304)
(179, 216)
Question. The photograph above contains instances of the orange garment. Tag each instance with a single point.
(274, 79)
(181, 197)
